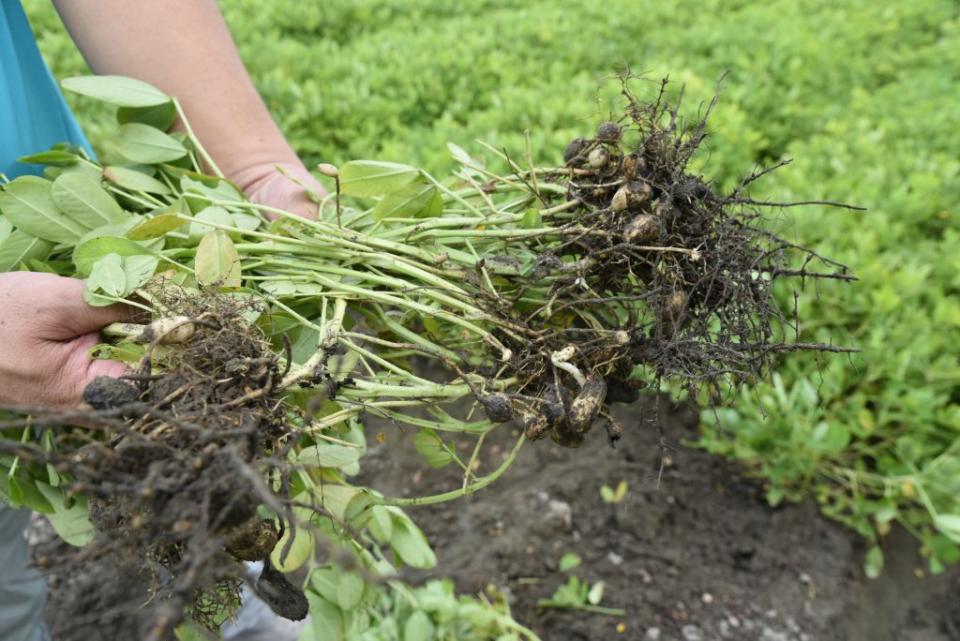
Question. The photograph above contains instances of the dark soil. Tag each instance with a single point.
(700, 557)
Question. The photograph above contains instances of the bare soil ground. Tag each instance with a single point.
(699, 557)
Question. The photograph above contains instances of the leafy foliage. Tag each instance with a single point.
(863, 96)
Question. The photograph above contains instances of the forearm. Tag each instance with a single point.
(183, 47)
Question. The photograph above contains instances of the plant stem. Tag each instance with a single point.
(479, 484)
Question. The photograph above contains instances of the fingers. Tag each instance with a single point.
(63, 313)
(48, 331)
(287, 190)
(80, 370)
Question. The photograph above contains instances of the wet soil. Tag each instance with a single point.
(699, 556)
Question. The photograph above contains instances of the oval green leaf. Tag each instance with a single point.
(430, 446)
(89, 252)
(20, 247)
(28, 203)
(328, 455)
(159, 116)
(949, 526)
(53, 157)
(148, 145)
(82, 199)
(409, 542)
(374, 178)
(409, 201)
(134, 180)
(116, 90)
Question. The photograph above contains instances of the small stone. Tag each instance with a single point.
(652, 634)
(559, 512)
(614, 558)
(733, 621)
(707, 598)
(692, 633)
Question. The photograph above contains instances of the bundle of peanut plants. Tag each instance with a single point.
(512, 297)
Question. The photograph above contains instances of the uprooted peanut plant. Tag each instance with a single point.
(522, 297)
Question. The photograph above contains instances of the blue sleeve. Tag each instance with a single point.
(33, 113)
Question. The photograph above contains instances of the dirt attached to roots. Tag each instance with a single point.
(702, 557)
(175, 488)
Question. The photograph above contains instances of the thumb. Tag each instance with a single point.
(68, 315)
(79, 370)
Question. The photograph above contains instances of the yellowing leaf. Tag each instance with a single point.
(156, 227)
(217, 262)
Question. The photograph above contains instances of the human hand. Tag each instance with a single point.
(285, 188)
(46, 332)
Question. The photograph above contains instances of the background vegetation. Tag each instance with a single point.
(863, 95)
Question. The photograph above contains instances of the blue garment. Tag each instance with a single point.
(33, 117)
(33, 113)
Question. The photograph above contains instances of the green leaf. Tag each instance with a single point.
(418, 627)
(326, 621)
(159, 116)
(212, 214)
(85, 201)
(606, 493)
(71, 523)
(325, 581)
(531, 218)
(20, 247)
(359, 508)
(148, 145)
(53, 157)
(408, 541)
(406, 202)
(156, 227)
(335, 498)
(949, 526)
(190, 632)
(873, 562)
(24, 493)
(459, 153)
(350, 590)
(134, 180)
(117, 277)
(138, 270)
(27, 202)
(217, 262)
(374, 178)
(430, 446)
(380, 525)
(302, 548)
(116, 90)
(569, 561)
(246, 222)
(328, 455)
(90, 251)
(107, 275)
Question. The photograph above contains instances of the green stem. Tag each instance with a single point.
(464, 491)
